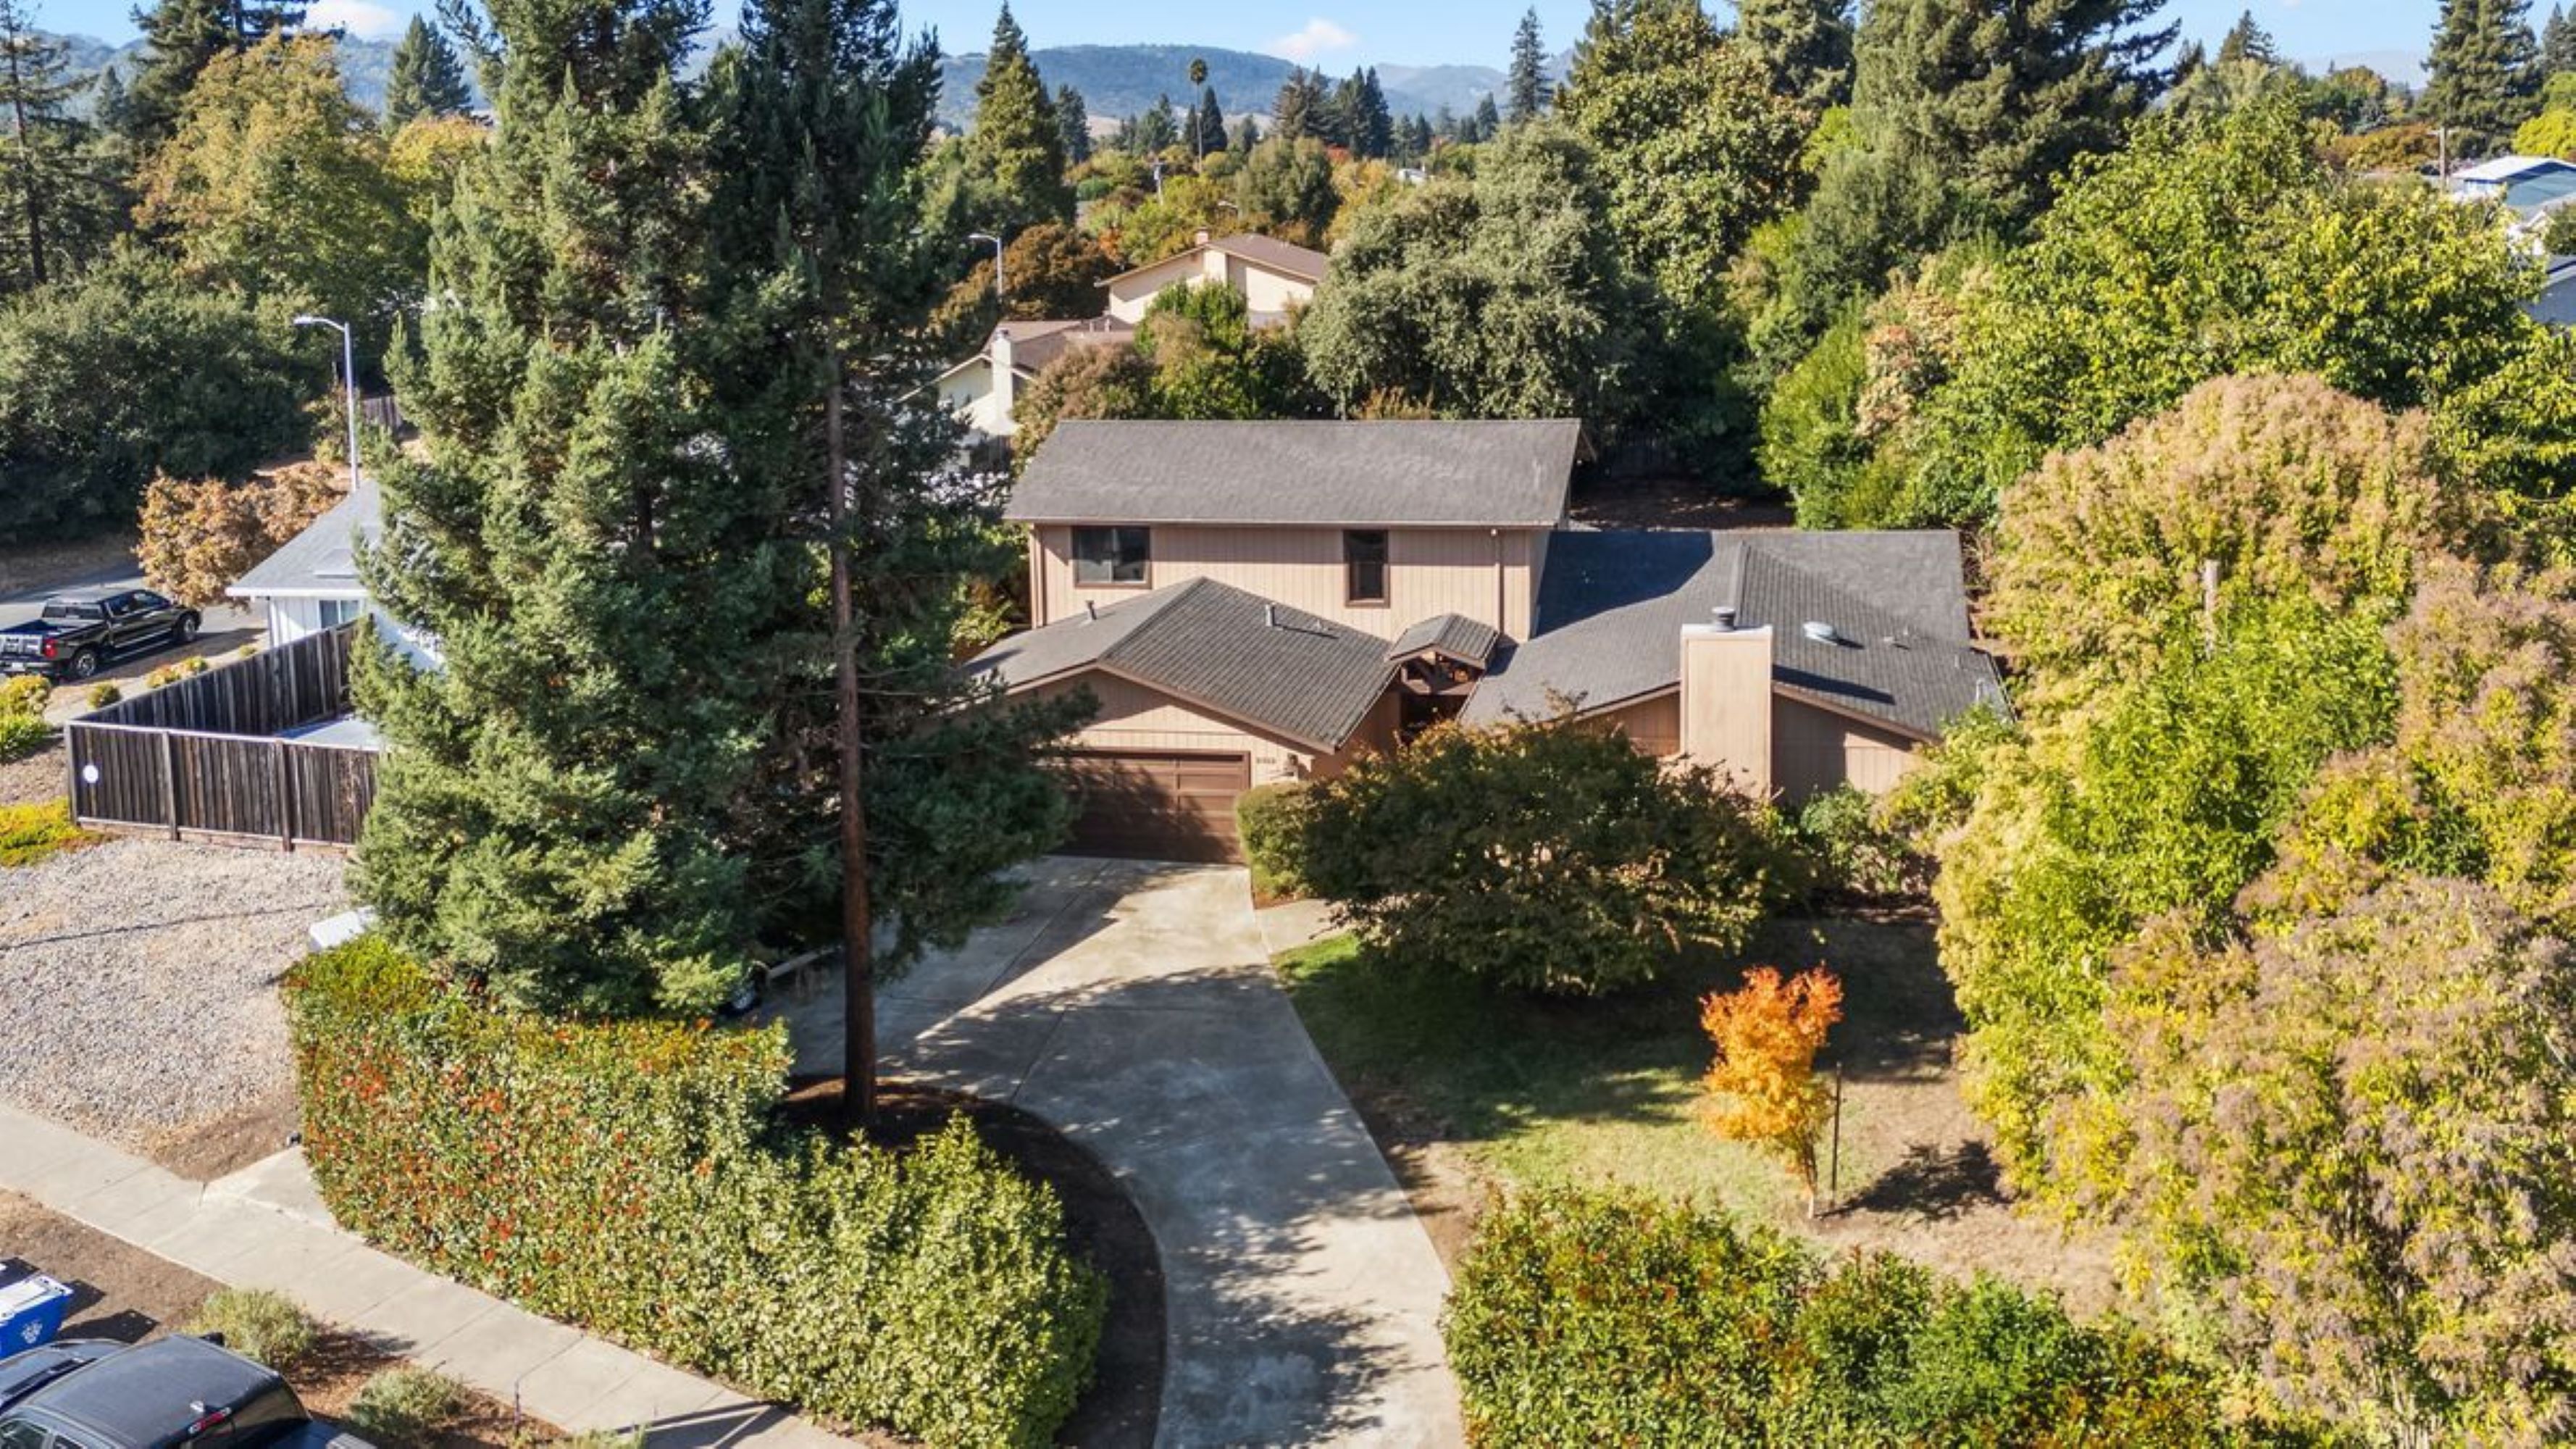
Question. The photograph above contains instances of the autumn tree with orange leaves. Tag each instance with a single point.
(1762, 1088)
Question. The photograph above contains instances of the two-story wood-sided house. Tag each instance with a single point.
(1251, 602)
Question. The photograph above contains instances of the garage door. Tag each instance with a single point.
(1158, 806)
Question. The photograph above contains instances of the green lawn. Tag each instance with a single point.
(1539, 1092)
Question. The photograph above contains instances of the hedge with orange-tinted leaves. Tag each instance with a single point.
(629, 1177)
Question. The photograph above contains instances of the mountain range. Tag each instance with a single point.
(1115, 80)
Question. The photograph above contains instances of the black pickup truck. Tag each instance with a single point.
(173, 1392)
(79, 631)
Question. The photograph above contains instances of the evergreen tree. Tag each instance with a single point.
(2484, 75)
(1489, 118)
(1805, 46)
(1372, 125)
(822, 125)
(2557, 43)
(1156, 131)
(552, 817)
(427, 78)
(1073, 123)
(52, 204)
(112, 109)
(1527, 85)
(1444, 123)
(1247, 134)
(1298, 112)
(2246, 41)
(1207, 123)
(1015, 159)
(2189, 61)
(179, 38)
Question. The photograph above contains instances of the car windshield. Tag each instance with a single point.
(68, 611)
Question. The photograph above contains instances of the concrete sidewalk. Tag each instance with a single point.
(1132, 1005)
(266, 1228)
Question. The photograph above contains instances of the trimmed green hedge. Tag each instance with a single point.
(629, 1177)
(1268, 818)
(1591, 1318)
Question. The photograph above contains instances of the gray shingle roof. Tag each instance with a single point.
(1265, 664)
(1612, 607)
(322, 560)
(1468, 640)
(1353, 474)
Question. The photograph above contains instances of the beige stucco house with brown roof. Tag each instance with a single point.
(1274, 277)
(1251, 602)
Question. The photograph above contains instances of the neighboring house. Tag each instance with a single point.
(985, 388)
(2556, 304)
(1251, 602)
(1275, 277)
(311, 585)
(2525, 184)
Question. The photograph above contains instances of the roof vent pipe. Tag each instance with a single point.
(1725, 614)
(1091, 609)
(1270, 616)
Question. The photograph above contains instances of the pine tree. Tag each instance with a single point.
(1527, 85)
(1805, 46)
(1489, 118)
(1298, 112)
(820, 137)
(1015, 160)
(51, 202)
(1208, 123)
(112, 108)
(2557, 43)
(179, 38)
(1073, 123)
(2248, 41)
(1156, 131)
(1372, 125)
(427, 78)
(1247, 134)
(2484, 72)
(553, 817)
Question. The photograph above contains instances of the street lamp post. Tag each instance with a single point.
(349, 375)
(997, 258)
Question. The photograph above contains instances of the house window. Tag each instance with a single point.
(1112, 555)
(336, 612)
(1364, 566)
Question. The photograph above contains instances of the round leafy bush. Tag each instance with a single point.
(405, 1407)
(1269, 817)
(103, 695)
(258, 1325)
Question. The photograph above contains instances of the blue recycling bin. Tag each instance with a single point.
(31, 1313)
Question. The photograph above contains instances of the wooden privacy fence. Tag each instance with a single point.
(204, 757)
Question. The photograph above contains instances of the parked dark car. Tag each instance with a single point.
(82, 1393)
(82, 630)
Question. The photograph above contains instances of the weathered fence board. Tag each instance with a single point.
(203, 756)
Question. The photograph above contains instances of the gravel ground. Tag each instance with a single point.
(138, 980)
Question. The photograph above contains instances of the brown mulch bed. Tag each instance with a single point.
(124, 1293)
(36, 779)
(1101, 1223)
(204, 1151)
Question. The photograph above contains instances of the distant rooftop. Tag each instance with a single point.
(322, 561)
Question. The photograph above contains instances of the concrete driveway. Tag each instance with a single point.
(1132, 1006)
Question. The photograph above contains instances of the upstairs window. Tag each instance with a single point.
(1112, 556)
(1364, 566)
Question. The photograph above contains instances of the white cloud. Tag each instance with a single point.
(362, 18)
(1318, 36)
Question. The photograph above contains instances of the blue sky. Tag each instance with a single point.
(1339, 34)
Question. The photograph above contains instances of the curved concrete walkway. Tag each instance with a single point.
(1132, 1006)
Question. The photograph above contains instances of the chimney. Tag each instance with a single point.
(1006, 383)
(1726, 701)
(1202, 235)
